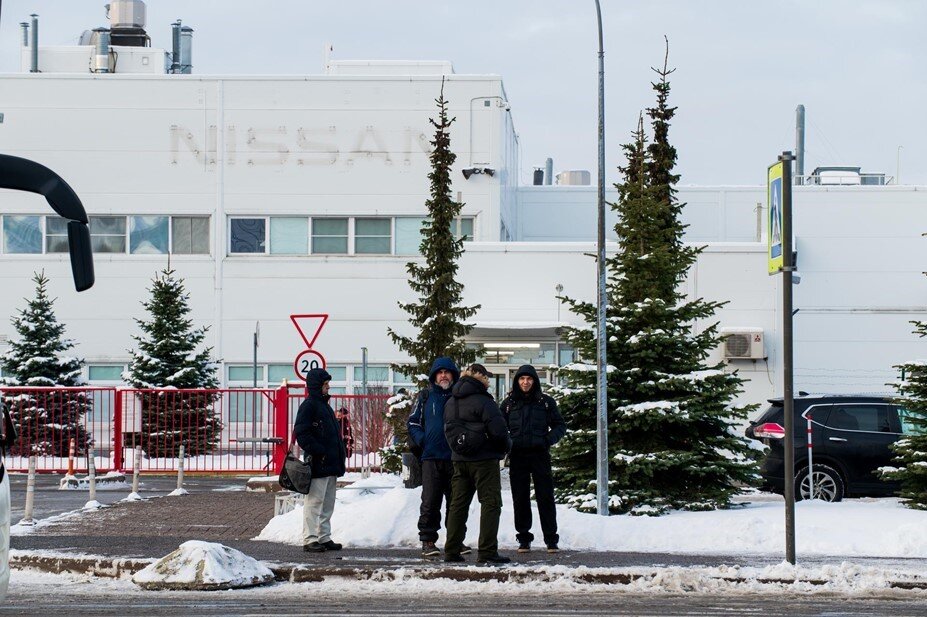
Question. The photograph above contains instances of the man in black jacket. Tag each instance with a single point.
(478, 437)
(535, 425)
(319, 435)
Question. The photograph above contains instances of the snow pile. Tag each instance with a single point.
(366, 516)
(203, 566)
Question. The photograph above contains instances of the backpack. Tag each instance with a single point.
(420, 401)
(461, 436)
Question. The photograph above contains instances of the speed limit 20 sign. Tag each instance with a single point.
(306, 361)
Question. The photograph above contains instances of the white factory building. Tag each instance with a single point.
(275, 196)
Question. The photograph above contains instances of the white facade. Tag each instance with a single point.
(289, 153)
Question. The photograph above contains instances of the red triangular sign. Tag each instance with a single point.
(309, 326)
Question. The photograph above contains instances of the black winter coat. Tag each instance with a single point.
(319, 434)
(533, 420)
(472, 404)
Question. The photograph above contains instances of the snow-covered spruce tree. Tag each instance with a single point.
(46, 420)
(673, 442)
(437, 316)
(168, 359)
(911, 451)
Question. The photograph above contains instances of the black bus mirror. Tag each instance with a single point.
(25, 175)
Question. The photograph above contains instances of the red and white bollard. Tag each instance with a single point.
(810, 459)
(72, 447)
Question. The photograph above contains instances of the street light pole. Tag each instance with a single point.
(601, 304)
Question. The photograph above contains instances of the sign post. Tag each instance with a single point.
(779, 259)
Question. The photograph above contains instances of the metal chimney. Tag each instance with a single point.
(25, 27)
(34, 68)
(100, 62)
(538, 176)
(548, 171)
(800, 144)
(186, 50)
(175, 55)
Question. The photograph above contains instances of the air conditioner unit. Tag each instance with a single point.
(743, 344)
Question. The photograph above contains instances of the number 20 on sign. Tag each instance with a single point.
(306, 361)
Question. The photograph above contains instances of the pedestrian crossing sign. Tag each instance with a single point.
(774, 220)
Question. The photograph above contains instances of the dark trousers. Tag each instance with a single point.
(436, 486)
(482, 478)
(523, 466)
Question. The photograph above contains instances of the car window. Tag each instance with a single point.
(907, 426)
(872, 418)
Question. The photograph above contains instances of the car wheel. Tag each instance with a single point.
(828, 485)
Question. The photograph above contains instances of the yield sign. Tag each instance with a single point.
(309, 326)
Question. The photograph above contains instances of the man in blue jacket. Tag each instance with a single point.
(319, 435)
(426, 428)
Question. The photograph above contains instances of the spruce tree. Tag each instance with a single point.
(46, 420)
(437, 316)
(673, 439)
(168, 358)
(911, 450)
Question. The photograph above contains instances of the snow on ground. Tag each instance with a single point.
(368, 516)
(844, 579)
(198, 565)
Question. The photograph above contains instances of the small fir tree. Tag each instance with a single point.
(911, 450)
(673, 439)
(46, 420)
(168, 358)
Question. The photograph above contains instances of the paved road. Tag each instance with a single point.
(283, 600)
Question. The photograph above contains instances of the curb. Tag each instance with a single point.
(107, 567)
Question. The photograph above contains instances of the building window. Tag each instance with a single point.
(372, 236)
(289, 236)
(408, 235)
(148, 235)
(190, 235)
(56, 235)
(246, 373)
(110, 373)
(22, 234)
(463, 228)
(329, 236)
(108, 234)
(247, 235)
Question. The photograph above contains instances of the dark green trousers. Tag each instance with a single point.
(482, 478)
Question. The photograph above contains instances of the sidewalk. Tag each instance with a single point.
(127, 535)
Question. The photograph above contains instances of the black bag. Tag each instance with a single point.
(296, 475)
(463, 438)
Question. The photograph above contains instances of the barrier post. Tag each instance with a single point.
(117, 431)
(281, 425)
(30, 494)
(92, 474)
(180, 457)
(72, 447)
(136, 468)
(810, 460)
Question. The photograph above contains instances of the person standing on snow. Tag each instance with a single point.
(319, 435)
(426, 430)
(535, 424)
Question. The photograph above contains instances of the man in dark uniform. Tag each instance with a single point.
(535, 424)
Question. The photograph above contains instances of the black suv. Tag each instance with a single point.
(851, 438)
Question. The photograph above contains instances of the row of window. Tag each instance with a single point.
(186, 235)
(137, 235)
(286, 235)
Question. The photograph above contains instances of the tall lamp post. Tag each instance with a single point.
(601, 372)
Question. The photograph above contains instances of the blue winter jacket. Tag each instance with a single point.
(426, 423)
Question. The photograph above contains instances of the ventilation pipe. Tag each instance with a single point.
(548, 170)
(101, 51)
(800, 144)
(186, 49)
(538, 176)
(34, 67)
(25, 27)
(175, 55)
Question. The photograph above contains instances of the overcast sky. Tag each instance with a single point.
(742, 66)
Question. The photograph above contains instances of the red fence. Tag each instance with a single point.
(222, 431)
